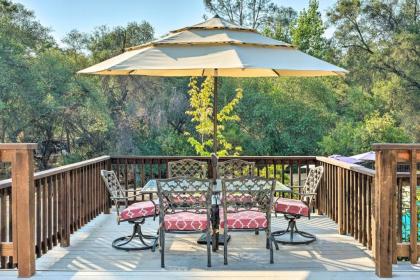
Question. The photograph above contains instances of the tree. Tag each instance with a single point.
(202, 112)
(124, 94)
(308, 30)
(250, 13)
(278, 25)
(357, 137)
(379, 37)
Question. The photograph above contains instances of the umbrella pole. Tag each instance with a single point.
(215, 114)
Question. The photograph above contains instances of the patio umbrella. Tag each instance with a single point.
(345, 159)
(370, 156)
(215, 48)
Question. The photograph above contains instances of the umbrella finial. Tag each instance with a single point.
(216, 16)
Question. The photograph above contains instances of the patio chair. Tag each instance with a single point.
(247, 204)
(134, 214)
(235, 168)
(187, 168)
(293, 209)
(185, 205)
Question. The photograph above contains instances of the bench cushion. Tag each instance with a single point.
(244, 220)
(138, 210)
(291, 206)
(185, 221)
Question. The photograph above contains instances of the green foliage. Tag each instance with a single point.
(74, 117)
(353, 138)
(278, 25)
(201, 103)
(307, 32)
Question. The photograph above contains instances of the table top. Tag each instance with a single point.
(151, 187)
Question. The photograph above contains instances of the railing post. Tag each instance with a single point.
(413, 207)
(23, 205)
(108, 203)
(385, 178)
(340, 220)
(65, 211)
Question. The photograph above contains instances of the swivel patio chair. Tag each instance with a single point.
(247, 204)
(187, 168)
(134, 214)
(185, 205)
(293, 209)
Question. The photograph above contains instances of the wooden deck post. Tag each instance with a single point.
(23, 205)
(340, 214)
(385, 177)
(413, 207)
(65, 211)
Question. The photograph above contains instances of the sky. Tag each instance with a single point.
(62, 16)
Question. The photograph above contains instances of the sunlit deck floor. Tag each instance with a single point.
(91, 256)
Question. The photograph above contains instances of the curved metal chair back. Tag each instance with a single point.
(311, 185)
(187, 168)
(235, 168)
(113, 185)
(248, 193)
(184, 194)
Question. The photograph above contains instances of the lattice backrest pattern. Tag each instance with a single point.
(187, 168)
(113, 185)
(235, 168)
(312, 183)
(245, 193)
(184, 194)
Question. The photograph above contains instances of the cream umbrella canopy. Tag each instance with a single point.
(215, 48)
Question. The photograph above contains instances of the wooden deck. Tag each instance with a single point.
(91, 256)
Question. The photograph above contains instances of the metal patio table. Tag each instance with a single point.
(151, 188)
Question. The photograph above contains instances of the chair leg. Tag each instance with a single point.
(257, 231)
(147, 241)
(270, 240)
(208, 237)
(162, 248)
(292, 231)
(225, 261)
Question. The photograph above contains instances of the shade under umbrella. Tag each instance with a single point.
(215, 48)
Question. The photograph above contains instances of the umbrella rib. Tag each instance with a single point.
(277, 73)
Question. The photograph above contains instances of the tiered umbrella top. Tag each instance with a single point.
(215, 47)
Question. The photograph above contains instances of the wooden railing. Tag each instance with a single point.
(367, 204)
(64, 199)
(346, 195)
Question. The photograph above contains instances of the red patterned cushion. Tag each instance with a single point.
(239, 198)
(138, 210)
(291, 206)
(244, 220)
(185, 221)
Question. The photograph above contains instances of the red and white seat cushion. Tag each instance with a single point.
(138, 210)
(244, 220)
(291, 206)
(185, 221)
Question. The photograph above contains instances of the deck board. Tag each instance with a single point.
(91, 256)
